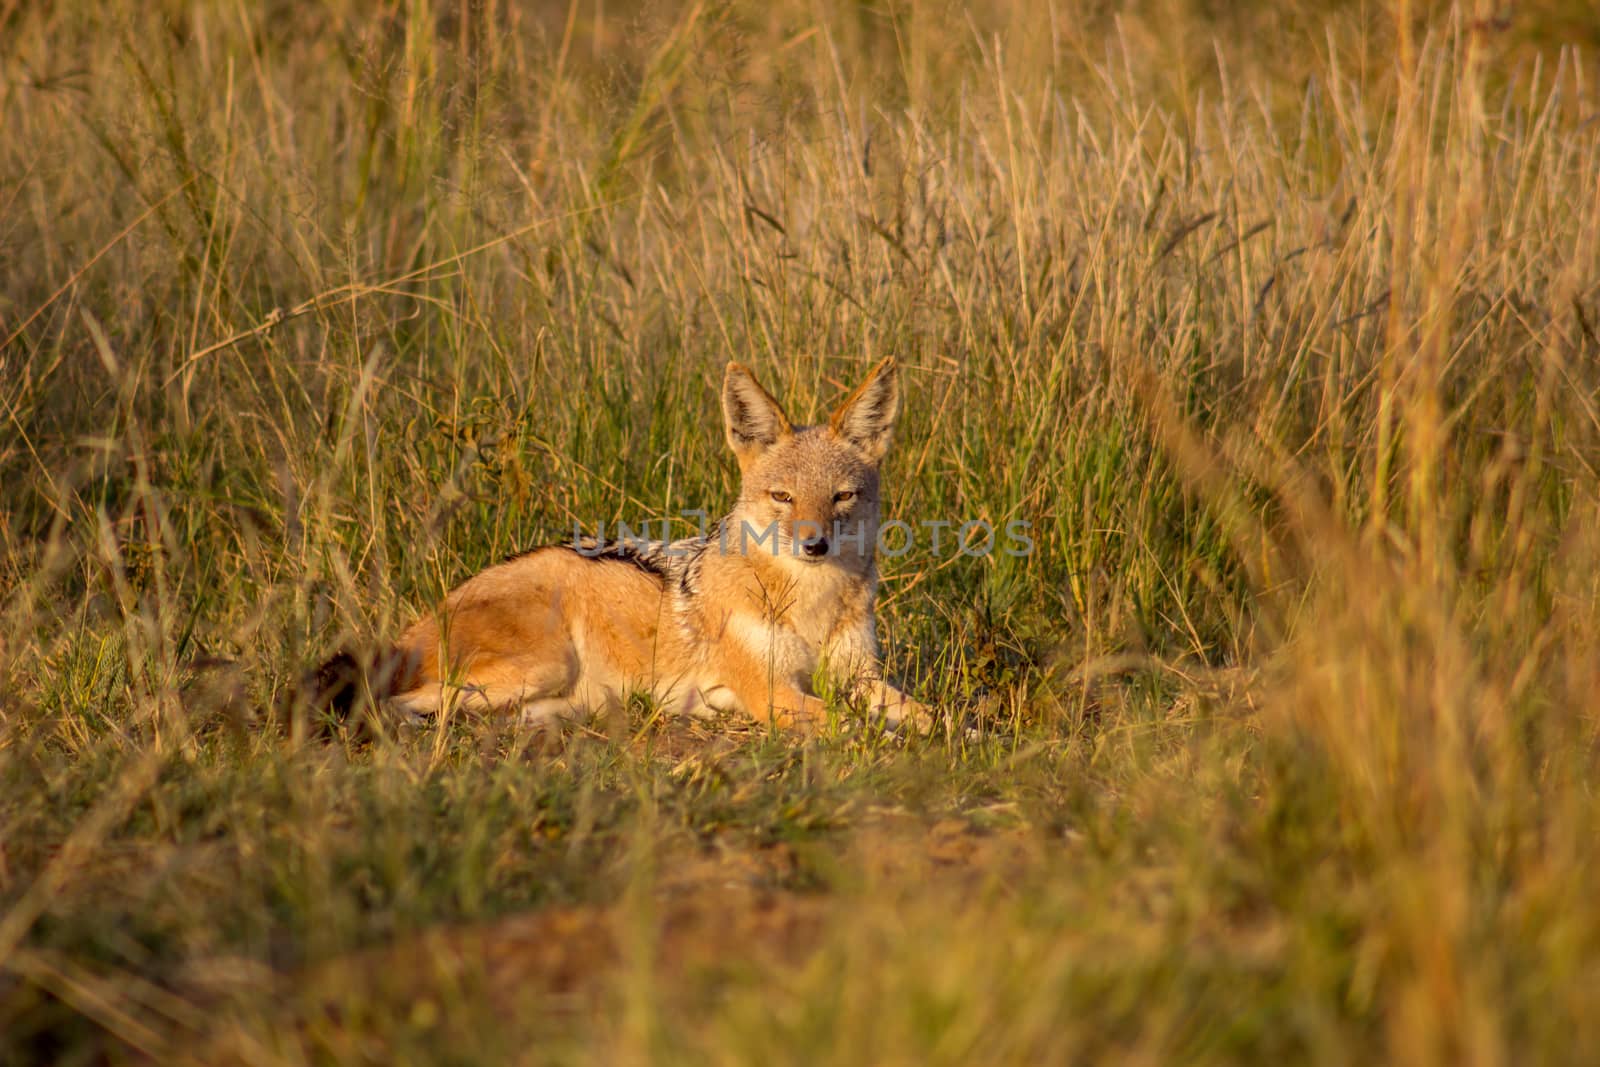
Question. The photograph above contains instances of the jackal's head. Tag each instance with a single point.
(809, 493)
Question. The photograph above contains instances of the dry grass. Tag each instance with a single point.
(1278, 322)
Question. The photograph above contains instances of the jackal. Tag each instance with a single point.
(743, 619)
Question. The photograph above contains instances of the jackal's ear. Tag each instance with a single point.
(866, 418)
(754, 420)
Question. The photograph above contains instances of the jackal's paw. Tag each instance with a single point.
(801, 720)
(905, 716)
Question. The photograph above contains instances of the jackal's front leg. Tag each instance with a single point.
(786, 706)
(765, 698)
(853, 657)
(893, 706)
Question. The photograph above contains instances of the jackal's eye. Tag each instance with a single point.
(844, 496)
(781, 497)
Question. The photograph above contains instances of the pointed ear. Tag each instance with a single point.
(866, 418)
(753, 419)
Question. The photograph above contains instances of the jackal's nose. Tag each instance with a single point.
(815, 546)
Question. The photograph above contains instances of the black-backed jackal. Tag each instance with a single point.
(743, 619)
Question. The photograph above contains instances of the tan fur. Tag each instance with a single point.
(719, 622)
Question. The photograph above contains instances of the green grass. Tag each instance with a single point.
(1278, 323)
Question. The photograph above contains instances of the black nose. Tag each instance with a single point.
(815, 546)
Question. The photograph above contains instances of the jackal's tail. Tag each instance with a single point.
(347, 683)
